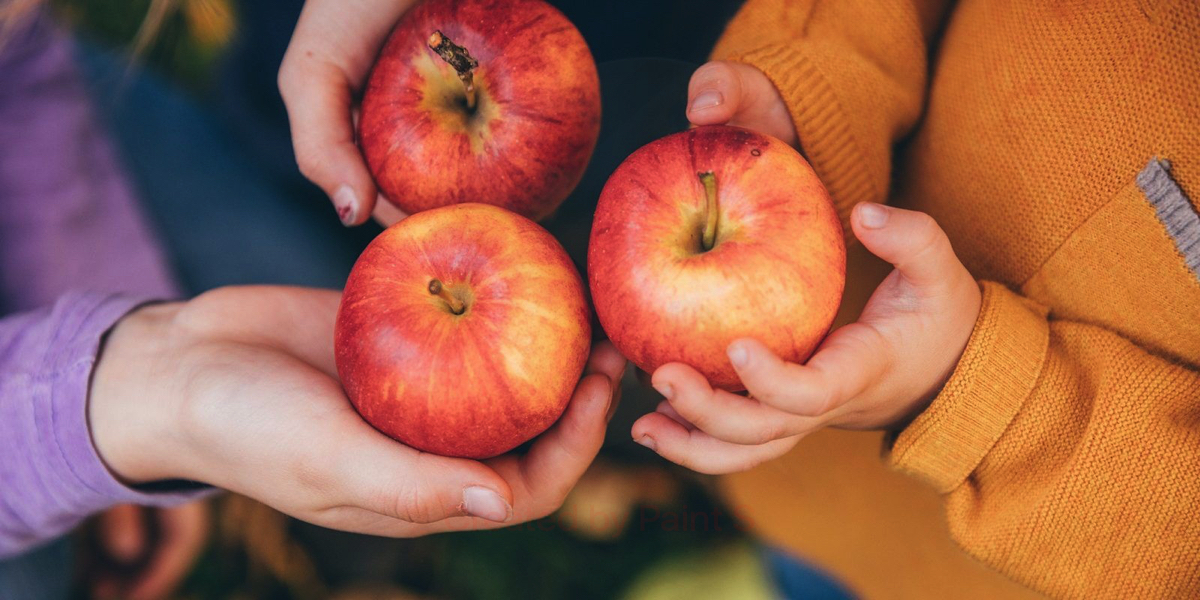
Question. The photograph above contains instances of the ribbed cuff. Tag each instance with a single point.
(72, 362)
(997, 371)
(50, 473)
(822, 125)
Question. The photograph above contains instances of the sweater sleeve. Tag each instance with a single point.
(50, 474)
(1070, 457)
(853, 74)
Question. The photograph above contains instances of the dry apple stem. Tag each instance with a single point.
(437, 289)
(709, 236)
(458, 57)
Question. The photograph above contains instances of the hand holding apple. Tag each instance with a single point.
(324, 69)
(711, 235)
(725, 92)
(236, 388)
(879, 372)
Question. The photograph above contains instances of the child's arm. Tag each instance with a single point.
(50, 474)
(852, 75)
(1069, 456)
(227, 390)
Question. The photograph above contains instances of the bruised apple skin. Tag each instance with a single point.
(493, 101)
(462, 331)
(711, 235)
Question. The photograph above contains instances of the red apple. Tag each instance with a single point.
(481, 101)
(710, 235)
(462, 331)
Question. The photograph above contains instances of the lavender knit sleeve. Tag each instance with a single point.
(50, 474)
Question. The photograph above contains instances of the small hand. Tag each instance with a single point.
(324, 69)
(162, 560)
(877, 373)
(237, 389)
(734, 93)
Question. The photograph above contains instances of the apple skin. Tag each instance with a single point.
(776, 272)
(473, 385)
(526, 145)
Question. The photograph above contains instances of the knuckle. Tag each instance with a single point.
(930, 239)
(204, 313)
(827, 399)
(771, 431)
(410, 503)
(306, 157)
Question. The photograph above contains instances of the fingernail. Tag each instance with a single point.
(664, 389)
(484, 503)
(647, 441)
(707, 99)
(872, 216)
(346, 204)
(737, 355)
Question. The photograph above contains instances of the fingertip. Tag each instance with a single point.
(655, 426)
(869, 217)
(354, 196)
(671, 373)
(486, 503)
(605, 359)
(712, 94)
(747, 353)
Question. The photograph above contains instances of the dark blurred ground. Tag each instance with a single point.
(205, 137)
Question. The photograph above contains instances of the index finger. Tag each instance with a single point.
(317, 98)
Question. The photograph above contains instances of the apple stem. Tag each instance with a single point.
(709, 236)
(458, 57)
(437, 289)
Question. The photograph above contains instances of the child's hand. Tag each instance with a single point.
(734, 93)
(237, 388)
(877, 373)
(324, 69)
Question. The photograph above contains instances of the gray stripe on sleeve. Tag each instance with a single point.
(1174, 210)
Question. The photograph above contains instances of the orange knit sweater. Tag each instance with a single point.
(1058, 144)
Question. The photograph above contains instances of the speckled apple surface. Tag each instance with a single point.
(776, 271)
(475, 384)
(525, 145)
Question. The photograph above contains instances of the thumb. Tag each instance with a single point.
(912, 241)
(317, 97)
(733, 93)
(400, 482)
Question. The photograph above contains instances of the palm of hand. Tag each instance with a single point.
(243, 382)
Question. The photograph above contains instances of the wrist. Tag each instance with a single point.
(130, 405)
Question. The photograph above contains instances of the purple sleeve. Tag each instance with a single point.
(68, 216)
(50, 474)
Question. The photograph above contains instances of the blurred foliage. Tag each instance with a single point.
(183, 39)
(621, 524)
(733, 572)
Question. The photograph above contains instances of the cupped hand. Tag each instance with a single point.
(237, 389)
(876, 373)
(733, 93)
(323, 71)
